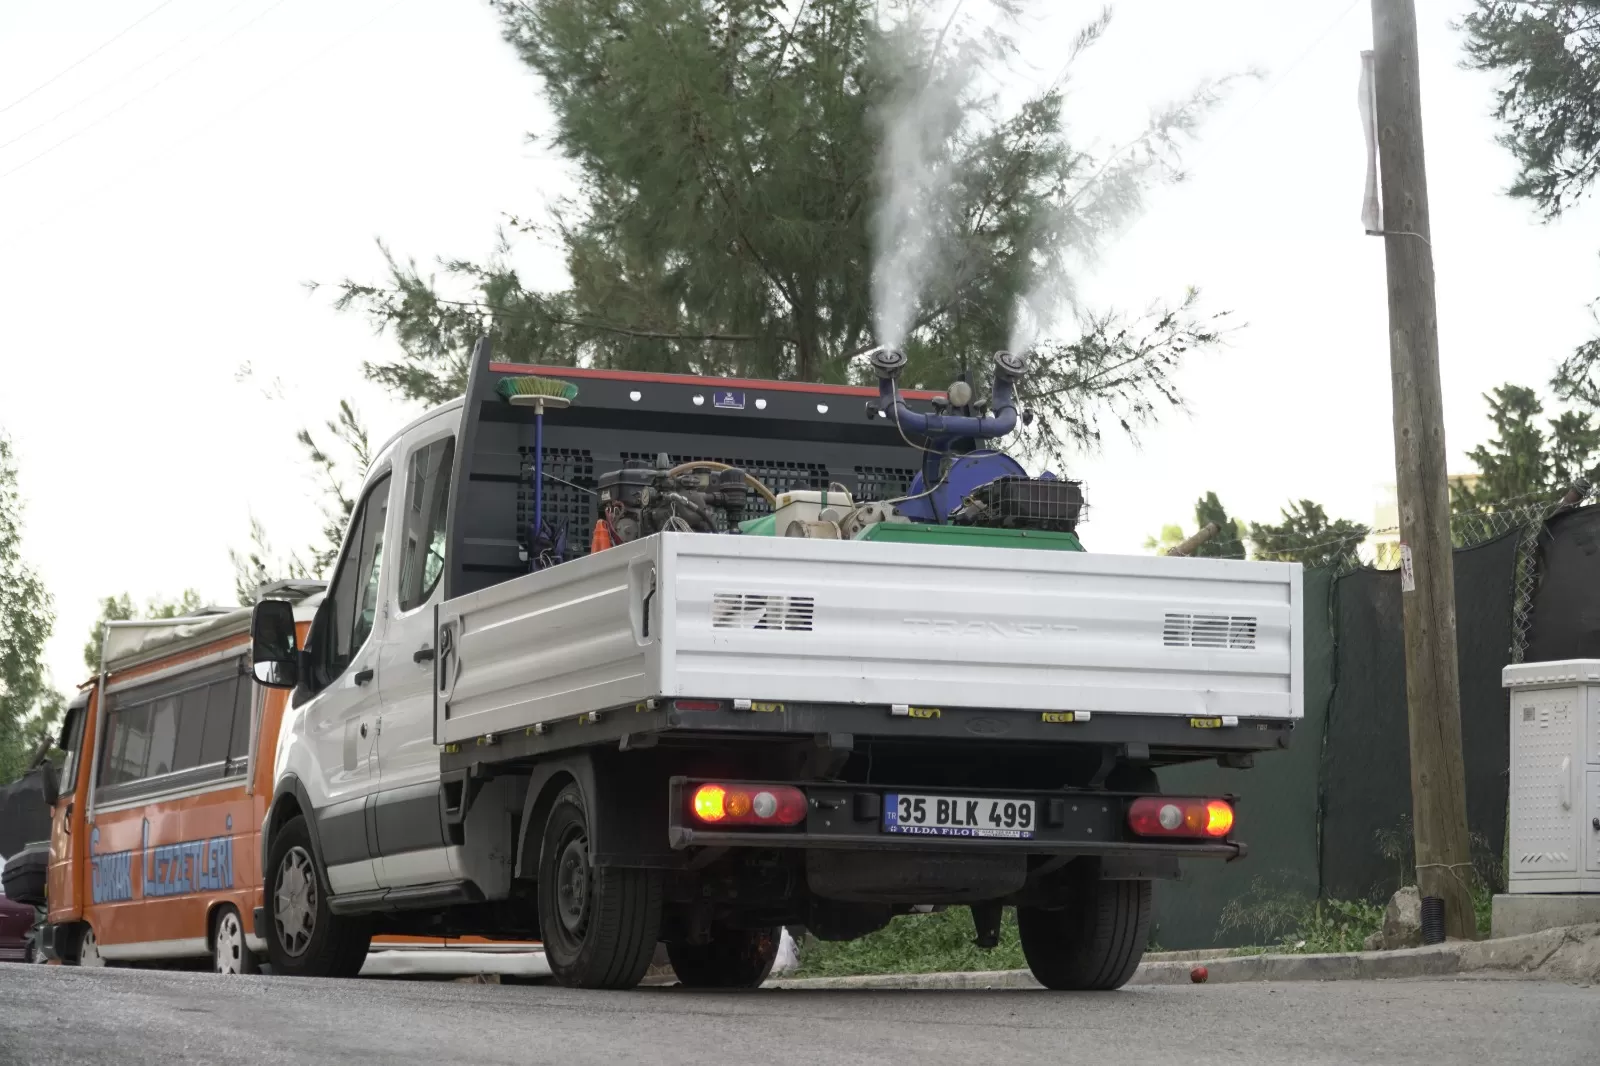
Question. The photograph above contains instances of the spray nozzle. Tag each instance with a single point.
(1010, 366)
(888, 362)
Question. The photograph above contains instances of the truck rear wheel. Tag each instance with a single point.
(1094, 941)
(600, 924)
(733, 958)
(304, 937)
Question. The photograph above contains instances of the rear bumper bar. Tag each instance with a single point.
(1163, 737)
(849, 818)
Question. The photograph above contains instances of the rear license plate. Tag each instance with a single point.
(959, 816)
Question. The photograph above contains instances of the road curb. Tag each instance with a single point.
(1571, 954)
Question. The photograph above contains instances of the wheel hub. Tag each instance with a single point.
(572, 885)
(294, 902)
(230, 945)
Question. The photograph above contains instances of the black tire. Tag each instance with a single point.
(733, 958)
(1094, 942)
(319, 942)
(600, 926)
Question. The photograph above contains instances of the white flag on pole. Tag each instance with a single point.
(1371, 208)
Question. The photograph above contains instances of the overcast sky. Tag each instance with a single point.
(164, 201)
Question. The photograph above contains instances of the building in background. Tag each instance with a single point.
(1381, 549)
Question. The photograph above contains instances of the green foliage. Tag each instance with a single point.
(339, 469)
(1226, 543)
(26, 618)
(1547, 53)
(1334, 925)
(748, 167)
(1169, 537)
(122, 609)
(261, 564)
(1307, 536)
(1229, 541)
(1289, 921)
(1523, 460)
(915, 943)
(339, 479)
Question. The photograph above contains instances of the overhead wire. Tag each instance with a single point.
(136, 97)
(124, 76)
(96, 50)
(171, 146)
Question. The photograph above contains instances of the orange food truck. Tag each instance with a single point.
(155, 831)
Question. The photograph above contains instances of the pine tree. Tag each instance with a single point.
(339, 469)
(1525, 462)
(1229, 541)
(1548, 55)
(1226, 543)
(770, 189)
(1306, 535)
(122, 609)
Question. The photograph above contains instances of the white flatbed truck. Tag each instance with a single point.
(701, 730)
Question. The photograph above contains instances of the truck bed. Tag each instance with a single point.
(886, 626)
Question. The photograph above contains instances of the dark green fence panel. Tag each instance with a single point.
(1366, 770)
(1277, 816)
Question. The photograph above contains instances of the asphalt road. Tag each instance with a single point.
(55, 1015)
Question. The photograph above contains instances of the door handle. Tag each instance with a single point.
(423, 654)
(363, 676)
(66, 819)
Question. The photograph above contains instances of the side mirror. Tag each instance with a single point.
(274, 656)
(49, 784)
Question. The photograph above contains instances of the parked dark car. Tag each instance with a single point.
(17, 921)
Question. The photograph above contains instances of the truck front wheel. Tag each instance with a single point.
(1094, 941)
(304, 937)
(733, 958)
(600, 924)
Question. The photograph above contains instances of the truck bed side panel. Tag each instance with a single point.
(878, 624)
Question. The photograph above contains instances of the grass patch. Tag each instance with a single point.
(1286, 921)
(915, 943)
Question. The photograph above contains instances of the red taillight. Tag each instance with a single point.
(1179, 816)
(748, 805)
(697, 705)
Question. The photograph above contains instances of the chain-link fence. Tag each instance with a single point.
(1379, 549)
(1325, 816)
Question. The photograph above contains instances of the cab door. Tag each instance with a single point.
(341, 718)
(406, 809)
(68, 878)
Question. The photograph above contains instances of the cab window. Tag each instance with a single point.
(422, 531)
(71, 742)
(348, 614)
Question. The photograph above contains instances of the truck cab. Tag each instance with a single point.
(614, 659)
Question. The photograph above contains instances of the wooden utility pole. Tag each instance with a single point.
(1433, 694)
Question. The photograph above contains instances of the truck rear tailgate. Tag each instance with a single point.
(877, 624)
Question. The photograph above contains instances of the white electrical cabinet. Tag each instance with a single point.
(1555, 776)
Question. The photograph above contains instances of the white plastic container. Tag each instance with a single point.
(808, 505)
(1555, 776)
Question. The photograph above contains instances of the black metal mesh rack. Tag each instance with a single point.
(569, 495)
(1028, 503)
